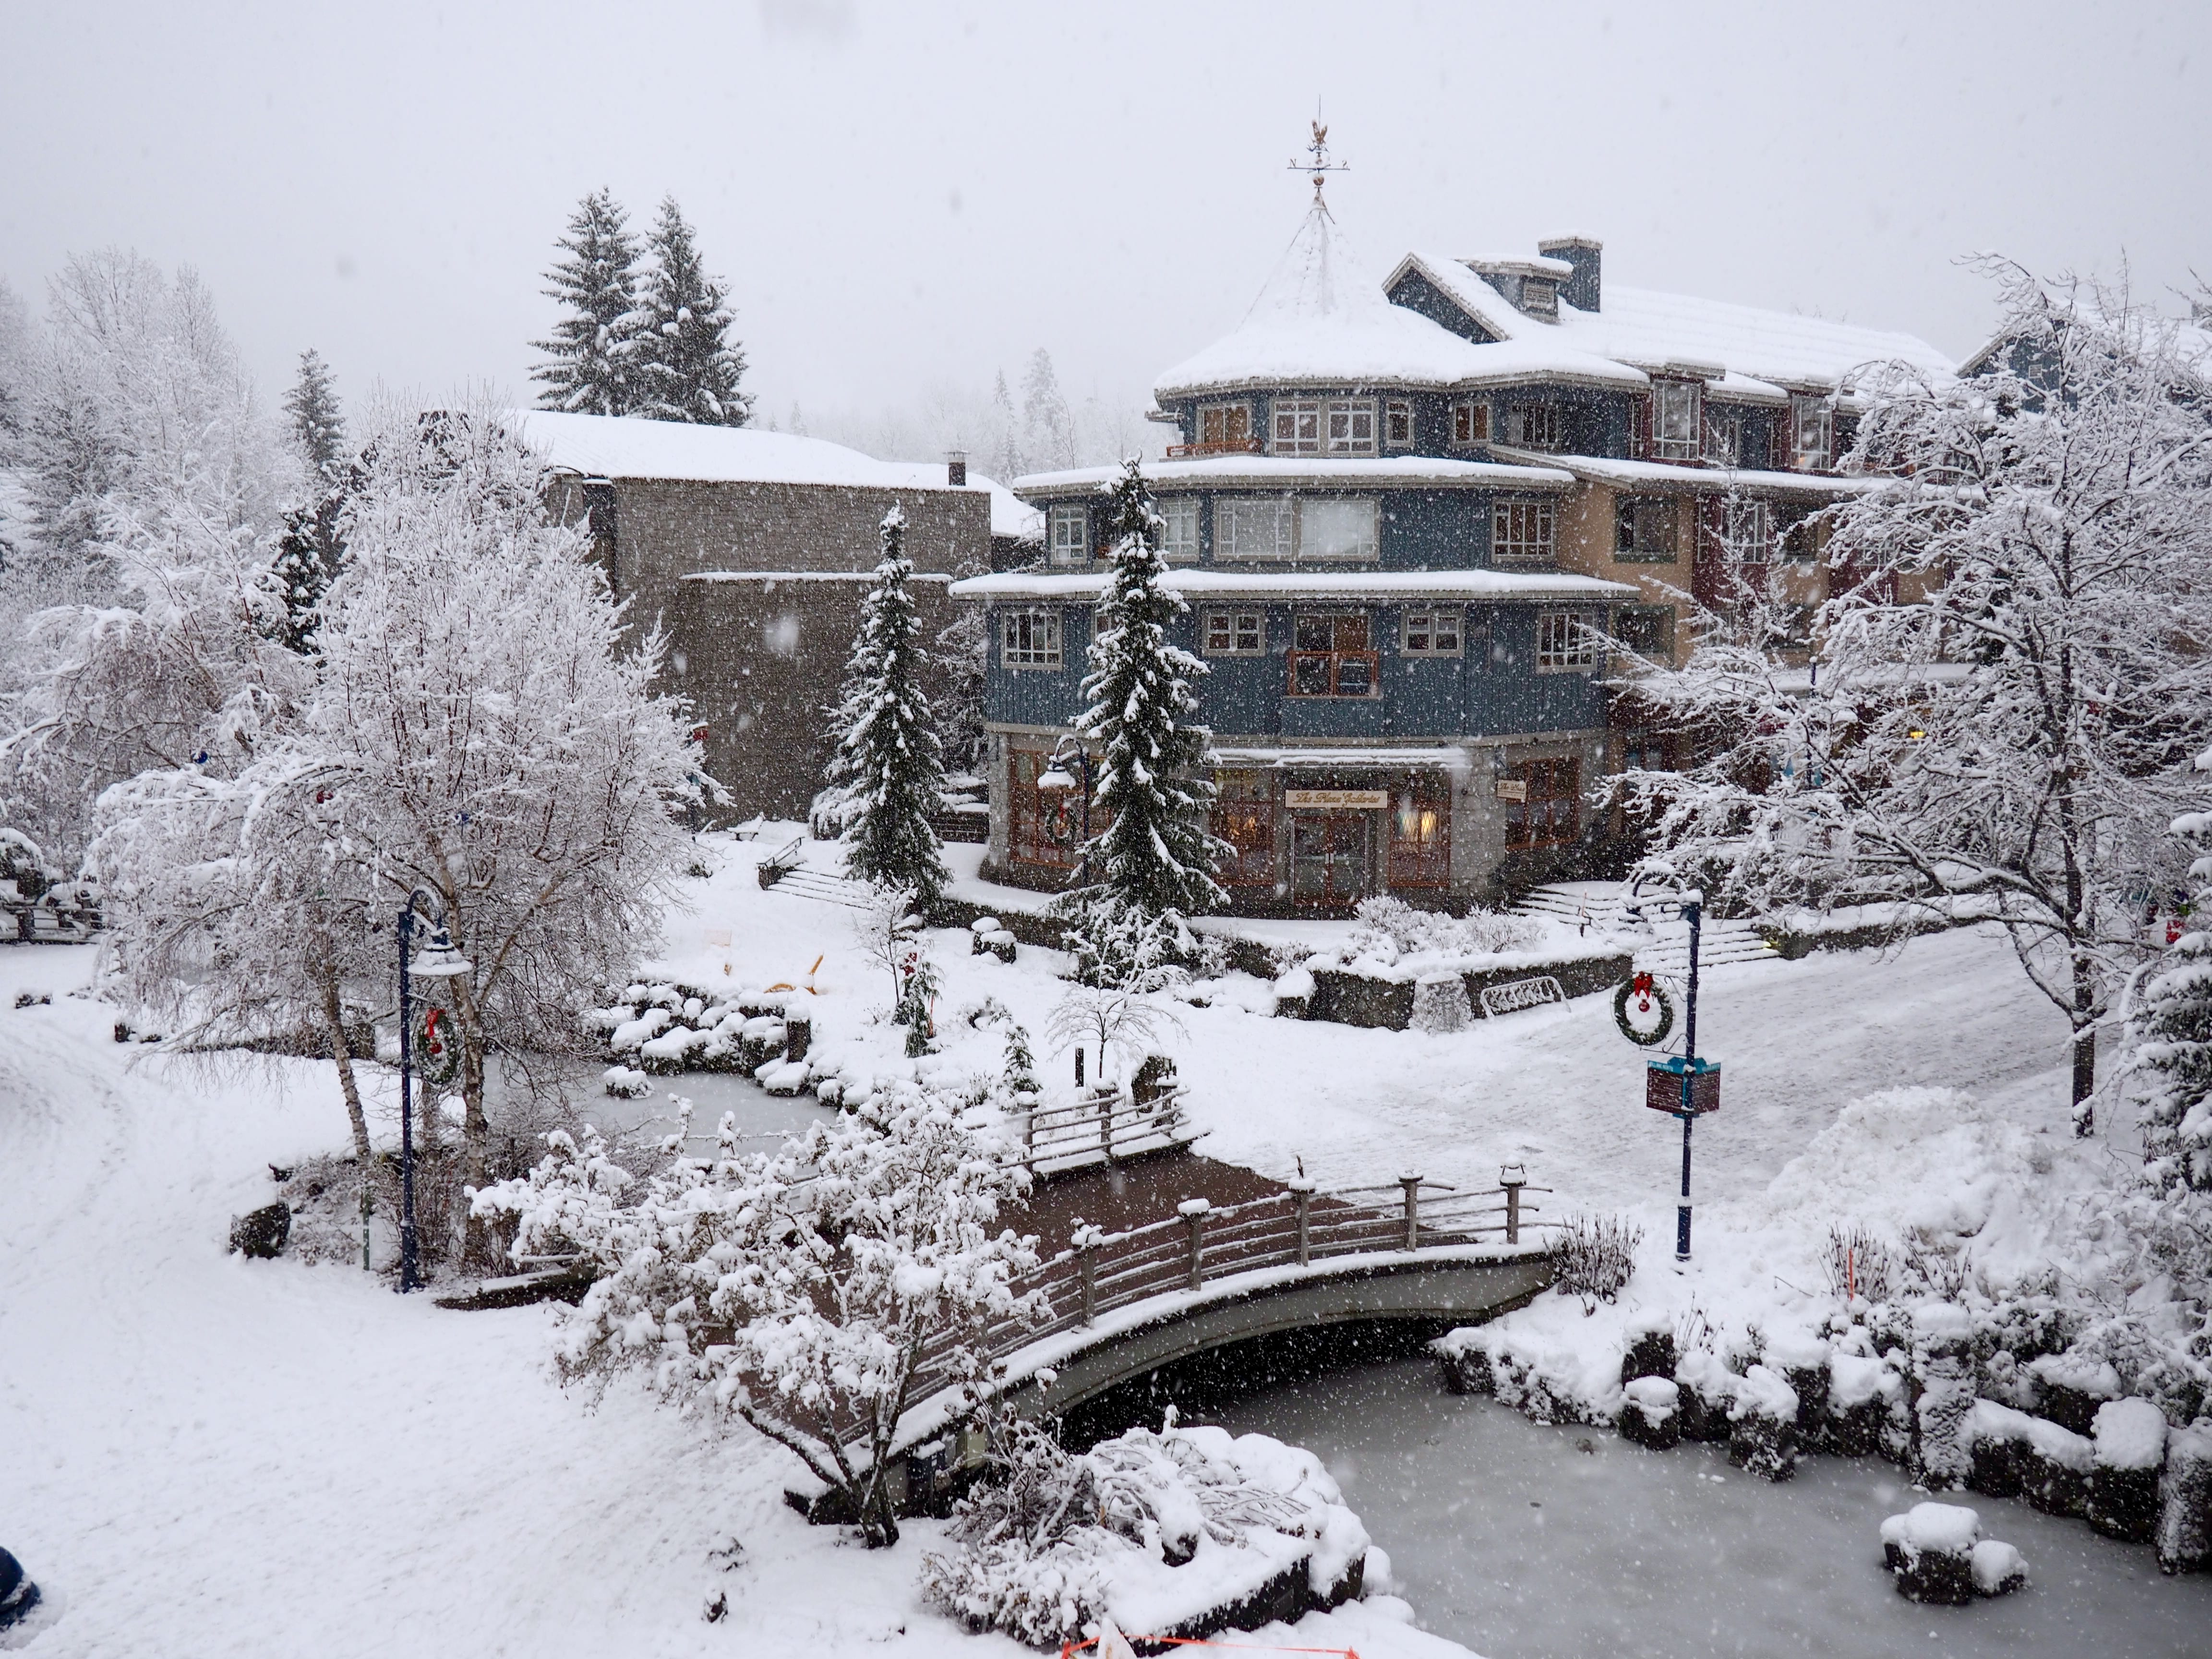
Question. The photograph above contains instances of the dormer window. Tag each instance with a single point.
(1070, 533)
(1470, 424)
(1532, 426)
(1324, 426)
(1812, 431)
(1398, 423)
(1675, 419)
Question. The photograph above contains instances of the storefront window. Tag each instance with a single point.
(1044, 826)
(1421, 833)
(1543, 803)
(1244, 817)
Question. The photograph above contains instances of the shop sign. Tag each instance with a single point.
(1374, 800)
(1513, 789)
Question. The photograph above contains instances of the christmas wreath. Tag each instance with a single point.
(437, 1055)
(1643, 1011)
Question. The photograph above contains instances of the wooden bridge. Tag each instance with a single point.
(1125, 1303)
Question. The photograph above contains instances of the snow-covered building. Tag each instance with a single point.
(752, 549)
(1405, 513)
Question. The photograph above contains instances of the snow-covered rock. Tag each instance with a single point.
(1998, 1568)
(2184, 1516)
(1931, 1549)
(1651, 1414)
(2121, 1499)
(1440, 1003)
(1763, 1424)
(2014, 1455)
(626, 1082)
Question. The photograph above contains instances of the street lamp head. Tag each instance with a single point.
(1054, 778)
(439, 959)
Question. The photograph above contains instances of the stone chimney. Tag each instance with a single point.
(955, 467)
(1580, 289)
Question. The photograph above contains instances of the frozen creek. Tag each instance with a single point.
(1511, 1538)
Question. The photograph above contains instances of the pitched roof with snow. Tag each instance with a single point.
(630, 447)
(1748, 352)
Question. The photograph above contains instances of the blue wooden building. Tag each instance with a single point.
(1405, 516)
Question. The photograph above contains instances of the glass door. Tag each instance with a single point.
(1329, 858)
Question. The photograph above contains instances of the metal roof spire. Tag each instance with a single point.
(1321, 166)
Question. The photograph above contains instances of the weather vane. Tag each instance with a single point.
(1321, 166)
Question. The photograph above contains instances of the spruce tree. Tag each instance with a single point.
(684, 363)
(889, 768)
(317, 421)
(2176, 1025)
(1155, 854)
(598, 287)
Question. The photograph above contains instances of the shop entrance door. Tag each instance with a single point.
(1330, 857)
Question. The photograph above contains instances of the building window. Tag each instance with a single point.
(1675, 419)
(1244, 817)
(1337, 527)
(1398, 423)
(1328, 529)
(1521, 536)
(1226, 428)
(1540, 297)
(1324, 426)
(1647, 751)
(1236, 633)
(1044, 826)
(1747, 535)
(1543, 803)
(1812, 430)
(1470, 424)
(1253, 528)
(1794, 526)
(1179, 529)
(1723, 437)
(1566, 643)
(1649, 631)
(1333, 656)
(1532, 426)
(1420, 833)
(1432, 632)
(1644, 529)
(1028, 638)
(1071, 533)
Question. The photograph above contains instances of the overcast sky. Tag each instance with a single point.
(906, 196)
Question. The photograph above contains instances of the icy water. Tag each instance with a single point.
(1527, 1542)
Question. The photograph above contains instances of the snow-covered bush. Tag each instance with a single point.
(1389, 930)
(1156, 1531)
(1594, 1256)
(800, 1291)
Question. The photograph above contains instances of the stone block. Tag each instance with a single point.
(262, 1233)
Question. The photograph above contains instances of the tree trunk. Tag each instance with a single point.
(334, 1024)
(475, 1129)
(2085, 1046)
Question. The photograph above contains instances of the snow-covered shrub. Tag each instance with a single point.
(663, 1028)
(1857, 1263)
(798, 1291)
(1388, 929)
(1163, 1532)
(1594, 1256)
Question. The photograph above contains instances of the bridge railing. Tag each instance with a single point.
(1103, 1126)
(1101, 1273)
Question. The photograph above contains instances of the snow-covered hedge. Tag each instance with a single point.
(1181, 1533)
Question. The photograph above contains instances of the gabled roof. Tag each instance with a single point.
(1745, 351)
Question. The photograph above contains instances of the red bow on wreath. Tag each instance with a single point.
(1641, 987)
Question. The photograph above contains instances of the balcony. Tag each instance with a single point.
(1216, 446)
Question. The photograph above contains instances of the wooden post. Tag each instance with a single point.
(1512, 1212)
(1106, 1097)
(1028, 1138)
(1411, 1183)
(1086, 1265)
(1302, 1193)
(1193, 1212)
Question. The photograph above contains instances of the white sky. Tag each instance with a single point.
(910, 196)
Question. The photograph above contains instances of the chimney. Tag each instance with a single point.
(1582, 253)
(955, 467)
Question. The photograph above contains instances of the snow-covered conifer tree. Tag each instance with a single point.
(596, 286)
(2010, 735)
(1047, 423)
(2175, 1057)
(682, 363)
(317, 423)
(1156, 852)
(889, 771)
(308, 551)
(799, 1292)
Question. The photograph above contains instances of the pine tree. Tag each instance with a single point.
(2176, 1024)
(317, 421)
(889, 767)
(683, 362)
(1007, 457)
(1047, 421)
(1156, 853)
(597, 285)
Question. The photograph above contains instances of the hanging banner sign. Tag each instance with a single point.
(1359, 800)
(1663, 1086)
(1513, 789)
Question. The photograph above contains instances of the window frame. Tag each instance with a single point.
(1580, 652)
(1543, 513)
(1331, 663)
(1470, 422)
(1035, 656)
(1232, 627)
(1662, 620)
(1677, 411)
(1748, 531)
(1063, 551)
(1550, 439)
(1821, 409)
(1183, 505)
(1431, 623)
(1626, 510)
(1323, 413)
(1559, 830)
(1722, 419)
(1222, 440)
(1395, 410)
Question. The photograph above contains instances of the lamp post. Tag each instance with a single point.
(1055, 777)
(1686, 1086)
(438, 960)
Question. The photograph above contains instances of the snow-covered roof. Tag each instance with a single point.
(1366, 583)
(629, 446)
(1664, 475)
(1279, 471)
(1764, 354)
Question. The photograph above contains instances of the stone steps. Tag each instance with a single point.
(1660, 944)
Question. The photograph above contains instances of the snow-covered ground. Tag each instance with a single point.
(203, 1455)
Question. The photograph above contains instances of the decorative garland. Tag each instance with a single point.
(1645, 989)
(437, 1054)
